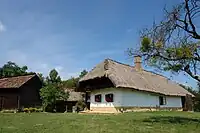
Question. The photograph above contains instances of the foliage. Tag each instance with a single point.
(53, 77)
(73, 82)
(83, 73)
(145, 44)
(52, 91)
(70, 83)
(31, 110)
(11, 69)
(26, 110)
(42, 78)
(173, 43)
(80, 105)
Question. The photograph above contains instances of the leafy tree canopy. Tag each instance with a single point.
(11, 69)
(83, 73)
(42, 78)
(53, 77)
(51, 93)
(52, 90)
(73, 82)
(70, 83)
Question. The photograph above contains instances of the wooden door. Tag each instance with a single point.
(10, 102)
(1, 102)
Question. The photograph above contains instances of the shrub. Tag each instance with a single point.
(9, 111)
(80, 105)
(26, 110)
(31, 109)
(38, 110)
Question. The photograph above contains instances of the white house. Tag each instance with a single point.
(114, 87)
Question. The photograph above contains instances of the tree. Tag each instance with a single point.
(83, 73)
(50, 94)
(11, 69)
(73, 81)
(42, 78)
(52, 91)
(53, 77)
(173, 44)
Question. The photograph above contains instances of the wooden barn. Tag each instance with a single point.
(19, 92)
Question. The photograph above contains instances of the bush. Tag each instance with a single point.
(9, 111)
(26, 110)
(30, 110)
(80, 105)
(38, 110)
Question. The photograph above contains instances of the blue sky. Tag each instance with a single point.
(72, 35)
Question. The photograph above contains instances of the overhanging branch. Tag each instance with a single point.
(189, 72)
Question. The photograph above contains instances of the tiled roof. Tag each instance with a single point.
(14, 82)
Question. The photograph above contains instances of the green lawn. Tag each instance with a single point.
(148, 122)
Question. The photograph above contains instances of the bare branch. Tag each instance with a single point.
(189, 72)
(188, 12)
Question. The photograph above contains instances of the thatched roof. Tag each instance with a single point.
(125, 76)
(15, 82)
(74, 96)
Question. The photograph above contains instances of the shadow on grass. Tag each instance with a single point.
(174, 120)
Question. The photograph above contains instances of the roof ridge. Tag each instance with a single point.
(134, 67)
(18, 76)
(120, 63)
(102, 62)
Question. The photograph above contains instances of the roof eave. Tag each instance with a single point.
(156, 92)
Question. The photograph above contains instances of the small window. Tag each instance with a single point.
(109, 97)
(162, 100)
(98, 98)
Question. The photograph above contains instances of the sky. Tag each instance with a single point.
(72, 35)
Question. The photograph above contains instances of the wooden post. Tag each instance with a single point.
(66, 108)
(18, 101)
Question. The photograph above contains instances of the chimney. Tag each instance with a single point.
(138, 62)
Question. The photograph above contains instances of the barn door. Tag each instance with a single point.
(1, 102)
(10, 102)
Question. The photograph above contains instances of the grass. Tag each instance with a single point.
(140, 122)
